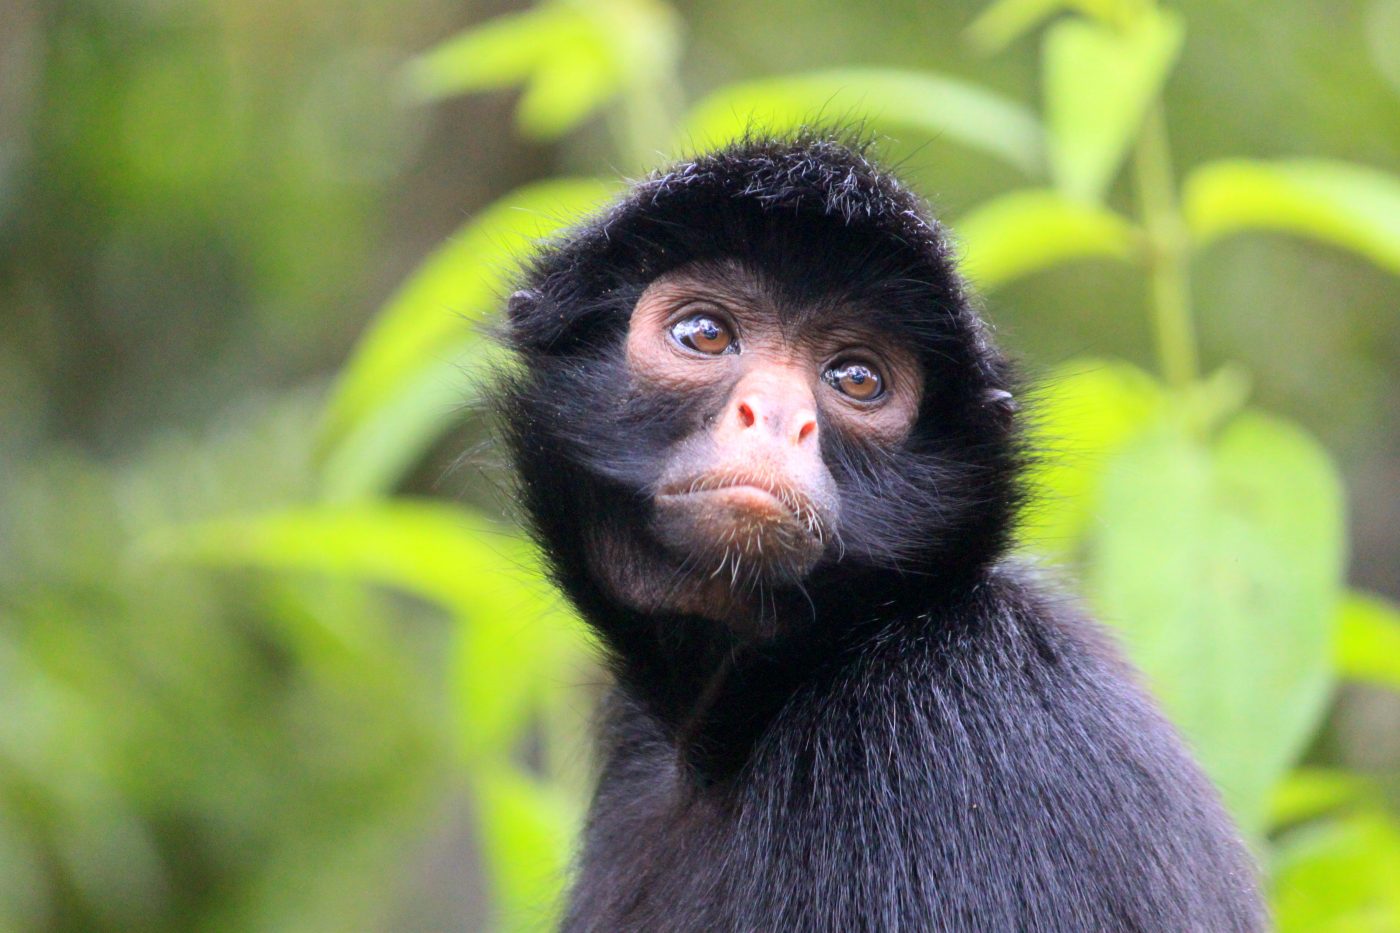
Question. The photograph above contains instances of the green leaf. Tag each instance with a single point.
(389, 439)
(1368, 640)
(509, 668)
(573, 57)
(933, 104)
(1005, 21)
(409, 373)
(434, 551)
(1028, 231)
(567, 88)
(1221, 564)
(1099, 84)
(498, 53)
(1308, 793)
(1350, 206)
(1087, 411)
(513, 634)
(1339, 876)
(527, 828)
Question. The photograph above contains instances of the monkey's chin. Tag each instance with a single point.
(742, 533)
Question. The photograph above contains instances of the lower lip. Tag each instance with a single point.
(755, 496)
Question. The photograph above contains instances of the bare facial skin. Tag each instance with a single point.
(747, 498)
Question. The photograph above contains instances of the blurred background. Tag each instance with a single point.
(272, 656)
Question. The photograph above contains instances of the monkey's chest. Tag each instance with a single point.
(772, 850)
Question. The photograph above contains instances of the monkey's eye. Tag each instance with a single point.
(856, 380)
(704, 334)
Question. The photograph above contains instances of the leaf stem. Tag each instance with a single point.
(1168, 257)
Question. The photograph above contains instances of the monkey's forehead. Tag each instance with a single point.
(810, 209)
(813, 214)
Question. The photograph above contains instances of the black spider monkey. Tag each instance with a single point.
(772, 455)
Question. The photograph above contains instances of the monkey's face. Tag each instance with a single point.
(745, 497)
(754, 390)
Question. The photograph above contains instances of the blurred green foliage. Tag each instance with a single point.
(256, 677)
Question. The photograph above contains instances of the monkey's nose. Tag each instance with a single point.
(775, 415)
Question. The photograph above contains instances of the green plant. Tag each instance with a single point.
(1211, 534)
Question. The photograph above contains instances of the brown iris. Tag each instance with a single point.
(704, 334)
(859, 381)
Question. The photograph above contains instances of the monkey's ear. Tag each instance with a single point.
(1002, 399)
(521, 303)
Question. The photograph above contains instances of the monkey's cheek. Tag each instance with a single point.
(741, 531)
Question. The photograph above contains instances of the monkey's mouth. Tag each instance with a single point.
(748, 523)
(756, 492)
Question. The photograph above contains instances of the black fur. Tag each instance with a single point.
(922, 739)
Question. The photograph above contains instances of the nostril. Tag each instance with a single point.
(746, 415)
(809, 427)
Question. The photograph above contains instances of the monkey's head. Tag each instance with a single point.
(756, 383)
